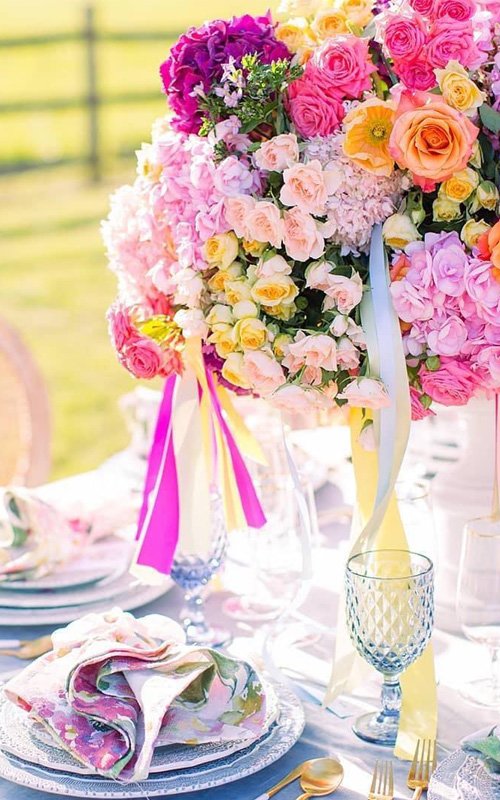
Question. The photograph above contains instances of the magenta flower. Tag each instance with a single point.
(197, 58)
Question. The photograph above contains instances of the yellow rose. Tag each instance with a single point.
(295, 33)
(358, 12)
(471, 232)
(398, 231)
(245, 308)
(297, 8)
(444, 210)
(329, 22)
(280, 344)
(487, 195)
(461, 185)
(458, 89)
(220, 314)
(234, 370)
(476, 159)
(274, 290)
(251, 333)
(304, 53)
(284, 311)
(254, 248)
(221, 250)
(224, 340)
(237, 290)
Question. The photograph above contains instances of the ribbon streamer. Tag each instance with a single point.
(377, 524)
(193, 449)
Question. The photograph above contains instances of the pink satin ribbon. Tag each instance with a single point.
(158, 525)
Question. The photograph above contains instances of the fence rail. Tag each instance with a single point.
(91, 101)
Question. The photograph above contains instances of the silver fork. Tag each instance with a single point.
(382, 787)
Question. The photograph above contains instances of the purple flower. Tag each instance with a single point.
(198, 57)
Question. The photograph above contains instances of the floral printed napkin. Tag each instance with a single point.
(35, 537)
(112, 682)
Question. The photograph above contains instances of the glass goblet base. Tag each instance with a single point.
(482, 692)
(378, 728)
(206, 636)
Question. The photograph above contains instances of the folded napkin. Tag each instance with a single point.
(485, 744)
(112, 682)
(35, 537)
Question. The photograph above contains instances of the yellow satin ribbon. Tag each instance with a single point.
(419, 704)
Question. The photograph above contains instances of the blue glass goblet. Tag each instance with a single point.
(192, 573)
(390, 614)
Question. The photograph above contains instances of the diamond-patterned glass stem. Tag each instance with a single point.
(390, 613)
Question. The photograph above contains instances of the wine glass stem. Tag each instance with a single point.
(194, 621)
(495, 673)
(391, 696)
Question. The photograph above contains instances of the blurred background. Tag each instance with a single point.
(79, 92)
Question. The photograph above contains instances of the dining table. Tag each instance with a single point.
(328, 730)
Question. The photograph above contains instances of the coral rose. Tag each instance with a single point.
(431, 139)
(345, 64)
(314, 107)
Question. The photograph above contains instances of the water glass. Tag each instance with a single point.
(390, 614)
(478, 602)
(192, 573)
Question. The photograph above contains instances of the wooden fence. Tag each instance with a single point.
(91, 101)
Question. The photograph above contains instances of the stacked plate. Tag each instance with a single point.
(30, 757)
(96, 580)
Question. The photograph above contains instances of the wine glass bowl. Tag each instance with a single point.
(390, 613)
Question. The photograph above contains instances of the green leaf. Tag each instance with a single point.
(433, 363)
(490, 118)
(489, 747)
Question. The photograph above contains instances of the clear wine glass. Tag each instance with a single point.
(390, 614)
(478, 602)
(192, 573)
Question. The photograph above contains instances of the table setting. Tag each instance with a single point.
(242, 604)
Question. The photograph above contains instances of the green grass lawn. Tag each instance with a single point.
(55, 286)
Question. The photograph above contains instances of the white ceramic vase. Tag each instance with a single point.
(461, 490)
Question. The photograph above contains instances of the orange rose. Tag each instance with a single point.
(431, 139)
(494, 245)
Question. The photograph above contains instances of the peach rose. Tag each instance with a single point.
(263, 372)
(272, 266)
(316, 350)
(237, 210)
(302, 237)
(278, 153)
(430, 138)
(365, 393)
(264, 223)
(308, 186)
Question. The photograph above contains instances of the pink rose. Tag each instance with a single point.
(264, 224)
(405, 37)
(237, 210)
(143, 358)
(418, 410)
(449, 338)
(232, 177)
(453, 384)
(484, 289)
(315, 350)
(302, 237)
(263, 372)
(416, 75)
(318, 275)
(451, 40)
(424, 7)
(346, 65)
(489, 359)
(343, 293)
(298, 400)
(273, 266)
(308, 186)
(278, 153)
(410, 302)
(314, 108)
(365, 393)
(121, 328)
(347, 354)
(448, 267)
(461, 10)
